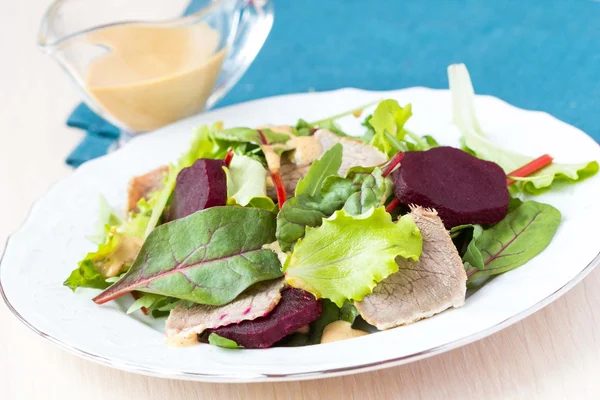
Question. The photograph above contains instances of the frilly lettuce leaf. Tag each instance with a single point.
(116, 248)
(385, 129)
(347, 255)
(475, 141)
(246, 179)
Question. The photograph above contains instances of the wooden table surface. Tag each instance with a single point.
(553, 354)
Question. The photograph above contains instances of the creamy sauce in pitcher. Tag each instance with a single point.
(154, 75)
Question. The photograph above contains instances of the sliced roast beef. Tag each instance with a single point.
(421, 288)
(295, 165)
(185, 324)
(296, 309)
(355, 152)
(142, 186)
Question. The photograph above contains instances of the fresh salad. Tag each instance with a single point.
(300, 235)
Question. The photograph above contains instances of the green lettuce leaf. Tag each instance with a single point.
(246, 179)
(361, 190)
(475, 141)
(347, 256)
(208, 257)
(86, 275)
(526, 230)
(220, 341)
(329, 164)
(91, 272)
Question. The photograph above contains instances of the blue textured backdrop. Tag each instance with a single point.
(542, 55)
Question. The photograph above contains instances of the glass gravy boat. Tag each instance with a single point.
(142, 64)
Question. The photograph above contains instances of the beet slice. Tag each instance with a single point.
(461, 188)
(296, 309)
(203, 185)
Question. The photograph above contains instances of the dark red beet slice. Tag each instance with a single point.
(200, 186)
(296, 309)
(462, 188)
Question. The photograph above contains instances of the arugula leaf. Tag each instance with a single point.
(463, 110)
(208, 257)
(249, 135)
(347, 256)
(328, 164)
(246, 179)
(146, 300)
(220, 341)
(520, 236)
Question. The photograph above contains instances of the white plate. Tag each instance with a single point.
(45, 250)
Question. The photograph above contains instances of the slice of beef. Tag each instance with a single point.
(296, 309)
(421, 288)
(185, 324)
(355, 152)
(142, 186)
(462, 188)
(201, 186)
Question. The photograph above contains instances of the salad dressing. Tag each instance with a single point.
(154, 75)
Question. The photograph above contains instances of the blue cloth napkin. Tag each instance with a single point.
(535, 55)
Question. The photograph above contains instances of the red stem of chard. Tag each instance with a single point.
(394, 161)
(228, 157)
(275, 177)
(529, 168)
(393, 204)
(136, 296)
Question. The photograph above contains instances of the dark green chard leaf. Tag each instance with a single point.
(208, 257)
(521, 235)
(220, 341)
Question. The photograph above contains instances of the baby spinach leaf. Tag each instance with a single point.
(372, 192)
(208, 257)
(347, 256)
(520, 236)
(299, 212)
(329, 164)
(330, 313)
(220, 341)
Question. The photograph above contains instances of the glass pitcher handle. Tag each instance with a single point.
(251, 24)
